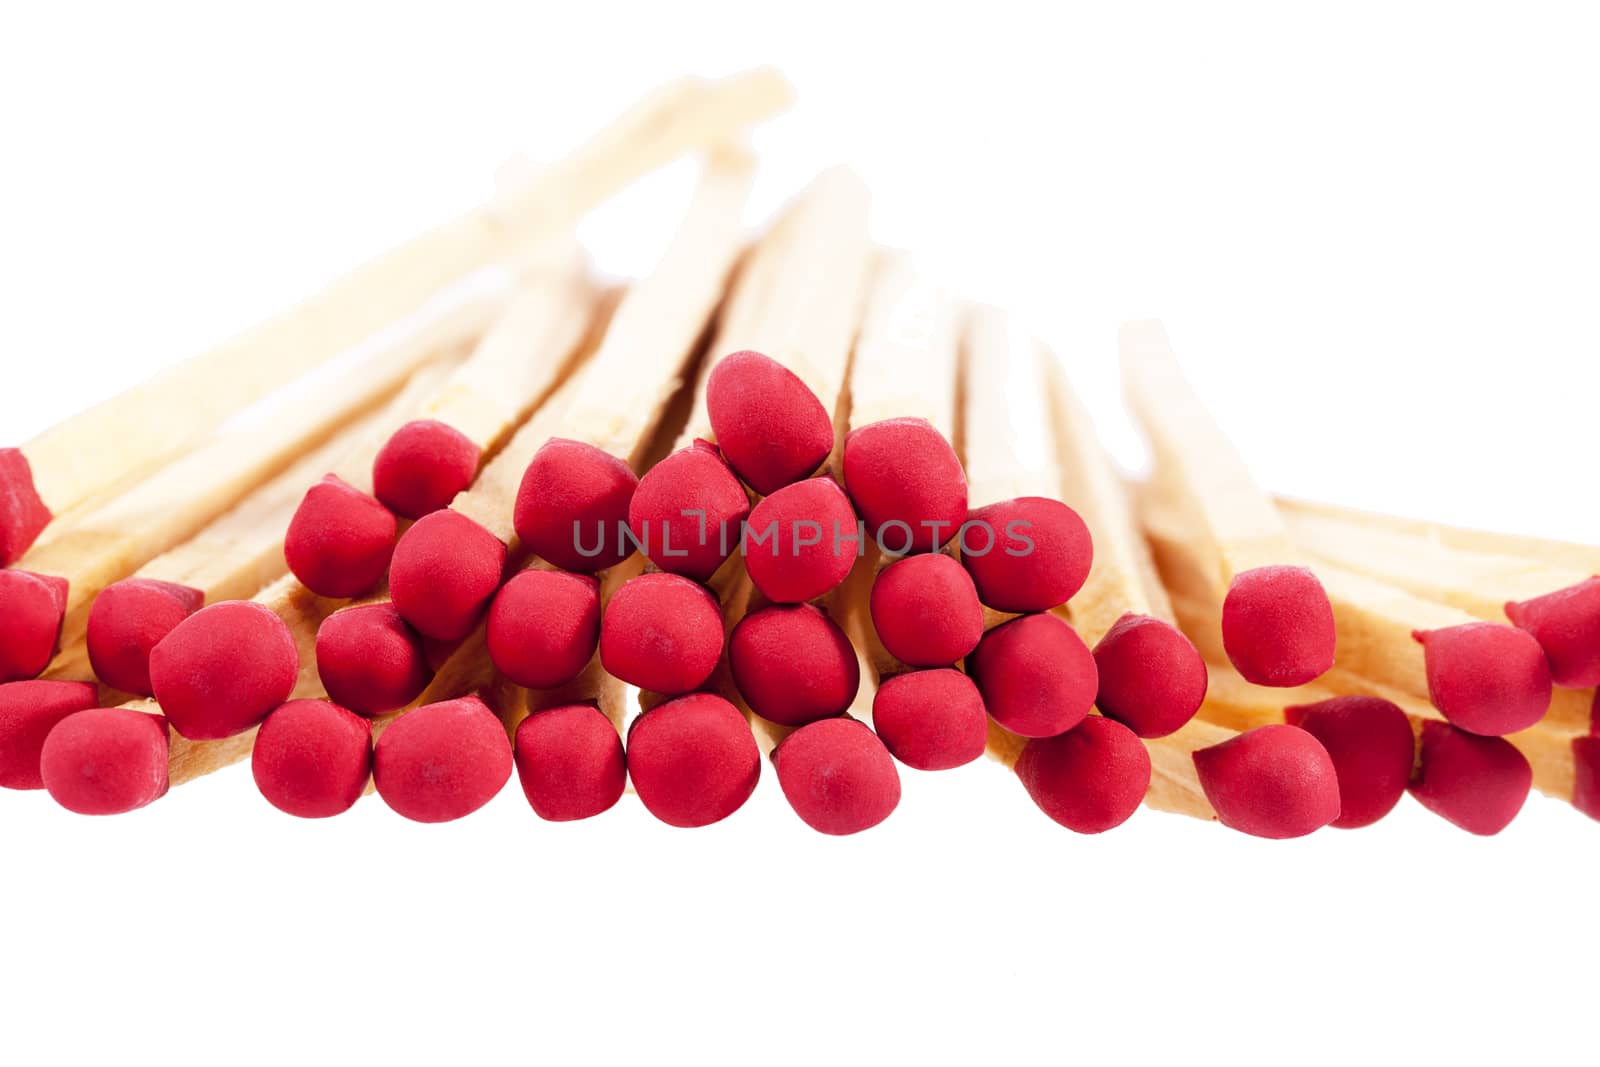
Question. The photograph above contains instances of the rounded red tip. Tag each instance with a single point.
(837, 776)
(1027, 554)
(1277, 626)
(570, 762)
(801, 541)
(1152, 678)
(1478, 783)
(1274, 781)
(442, 761)
(1037, 677)
(544, 627)
(30, 624)
(772, 428)
(369, 660)
(223, 668)
(1586, 775)
(907, 484)
(926, 611)
(793, 665)
(29, 710)
(105, 761)
(23, 514)
(129, 618)
(340, 539)
(312, 758)
(1566, 624)
(1485, 677)
(688, 512)
(572, 507)
(1089, 779)
(422, 467)
(662, 632)
(445, 570)
(1372, 748)
(693, 760)
(931, 720)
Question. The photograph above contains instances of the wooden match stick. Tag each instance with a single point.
(69, 464)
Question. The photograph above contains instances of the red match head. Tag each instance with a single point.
(1027, 554)
(1566, 624)
(544, 627)
(129, 618)
(1036, 675)
(1152, 678)
(1478, 783)
(223, 668)
(105, 761)
(772, 428)
(1372, 748)
(1089, 779)
(572, 507)
(907, 484)
(801, 541)
(1485, 677)
(1277, 626)
(693, 760)
(570, 762)
(422, 467)
(662, 633)
(29, 710)
(31, 609)
(445, 570)
(442, 761)
(926, 611)
(931, 720)
(22, 513)
(369, 660)
(312, 758)
(1274, 781)
(793, 665)
(837, 776)
(688, 512)
(340, 539)
(1586, 775)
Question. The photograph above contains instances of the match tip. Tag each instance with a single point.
(105, 761)
(1151, 677)
(572, 506)
(312, 758)
(30, 622)
(1586, 775)
(693, 760)
(128, 619)
(22, 513)
(544, 627)
(442, 761)
(1485, 677)
(445, 570)
(1478, 783)
(340, 539)
(688, 512)
(422, 467)
(926, 611)
(370, 661)
(570, 762)
(662, 633)
(793, 665)
(802, 541)
(222, 669)
(1566, 623)
(1274, 781)
(931, 720)
(29, 710)
(1028, 554)
(768, 422)
(1089, 779)
(1277, 626)
(907, 483)
(1037, 677)
(1372, 748)
(837, 776)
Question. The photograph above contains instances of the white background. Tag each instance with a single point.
(1371, 231)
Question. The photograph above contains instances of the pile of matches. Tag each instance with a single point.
(774, 501)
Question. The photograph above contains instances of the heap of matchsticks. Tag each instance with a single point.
(783, 500)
